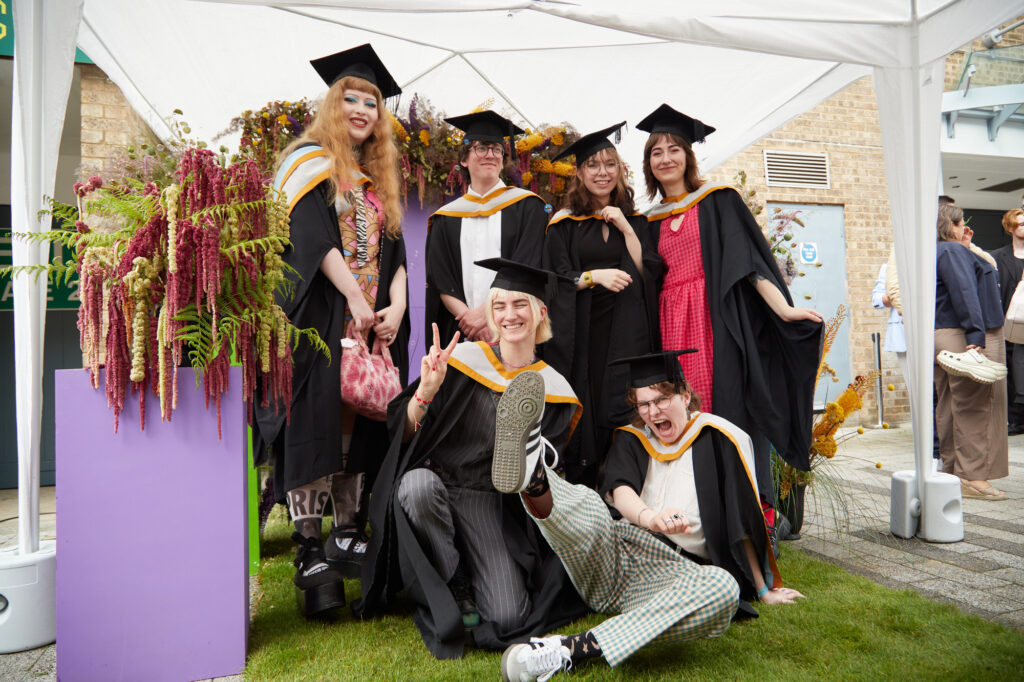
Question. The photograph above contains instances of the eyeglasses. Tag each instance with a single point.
(595, 166)
(485, 150)
(661, 403)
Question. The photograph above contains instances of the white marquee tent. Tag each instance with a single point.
(744, 66)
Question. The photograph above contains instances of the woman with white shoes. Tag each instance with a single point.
(970, 374)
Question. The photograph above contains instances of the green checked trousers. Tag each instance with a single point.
(651, 592)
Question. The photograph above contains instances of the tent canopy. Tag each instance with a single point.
(744, 66)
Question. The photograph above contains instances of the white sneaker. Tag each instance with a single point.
(537, 660)
(518, 442)
(971, 364)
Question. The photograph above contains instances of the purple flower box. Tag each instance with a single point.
(152, 545)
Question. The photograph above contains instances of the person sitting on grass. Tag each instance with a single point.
(466, 554)
(653, 591)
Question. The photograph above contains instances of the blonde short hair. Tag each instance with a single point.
(543, 329)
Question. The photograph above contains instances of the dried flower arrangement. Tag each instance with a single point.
(267, 131)
(428, 149)
(777, 227)
(824, 441)
(188, 269)
(429, 156)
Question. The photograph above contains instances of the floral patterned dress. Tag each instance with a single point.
(361, 248)
(683, 304)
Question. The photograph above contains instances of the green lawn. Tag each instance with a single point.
(848, 628)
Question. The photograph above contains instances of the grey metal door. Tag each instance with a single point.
(820, 254)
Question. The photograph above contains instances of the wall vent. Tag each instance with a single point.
(796, 169)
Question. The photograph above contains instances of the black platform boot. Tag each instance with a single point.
(319, 587)
(345, 550)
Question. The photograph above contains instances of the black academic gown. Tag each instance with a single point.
(764, 368)
(310, 446)
(729, 508)
(395, 560)
(634, 316)
(522, 240)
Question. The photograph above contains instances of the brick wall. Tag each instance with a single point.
(108, 122)
(846, 128)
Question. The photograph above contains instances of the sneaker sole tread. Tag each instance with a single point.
(518, 410)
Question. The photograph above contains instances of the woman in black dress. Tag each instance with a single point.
(599, 241)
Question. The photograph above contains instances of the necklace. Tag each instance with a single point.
(496, 348)
(509, 365)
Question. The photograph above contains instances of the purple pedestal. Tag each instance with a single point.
(414, 229)
(152, 575)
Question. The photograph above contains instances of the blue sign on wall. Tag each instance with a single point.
(808, 253)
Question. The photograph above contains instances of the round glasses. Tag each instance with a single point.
(661, 403)
(484, 150)
(595, 166)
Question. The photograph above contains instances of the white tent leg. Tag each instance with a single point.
(42, 80)
(909, 106)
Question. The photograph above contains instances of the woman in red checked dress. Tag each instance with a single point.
(723, 294)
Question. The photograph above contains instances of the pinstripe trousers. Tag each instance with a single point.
(621, 569)
(438, 514)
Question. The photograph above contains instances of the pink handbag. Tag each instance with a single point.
(368, 380)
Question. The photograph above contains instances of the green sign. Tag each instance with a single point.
(7, 35)
(58, 296)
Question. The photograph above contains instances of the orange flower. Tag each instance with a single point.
(425, 137)
(558, 139)
(826, 447)
(564, 169)
(850, 401)
(527, 177)
(541, 166)
(528, 142)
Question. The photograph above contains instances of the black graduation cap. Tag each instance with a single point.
(513, 276)
(665, 119)
(484, 126)
(591, 143)
(361, 62)
(647, 370)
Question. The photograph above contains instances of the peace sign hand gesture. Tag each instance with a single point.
(434, 365)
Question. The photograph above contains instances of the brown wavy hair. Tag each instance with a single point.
(691, 176)
(664, 388)
(378, 156)
(1010, 220)
(949, 215)
(580, 201)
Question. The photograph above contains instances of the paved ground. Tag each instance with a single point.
(983, 575)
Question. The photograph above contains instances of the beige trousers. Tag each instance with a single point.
(971, 417)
